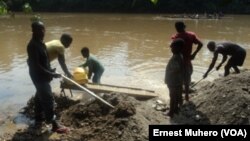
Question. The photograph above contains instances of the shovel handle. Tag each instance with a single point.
(88, 91)
(200, 80)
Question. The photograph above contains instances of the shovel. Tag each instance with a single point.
(200, 80)
(88, 91)
(197, 82)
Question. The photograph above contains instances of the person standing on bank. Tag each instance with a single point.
(237, 53)
(41, 74)
(174, 76)
(94, 66)
(189, 38)
(56, 49)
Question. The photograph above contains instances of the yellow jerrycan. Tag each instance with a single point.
(80, 75)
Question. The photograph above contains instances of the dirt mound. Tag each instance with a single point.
(226, 100)
(92, 120)
(95, 121)
(61, 103)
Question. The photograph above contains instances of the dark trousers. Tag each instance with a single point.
(236, 60)
(44, 101)
(175, 94)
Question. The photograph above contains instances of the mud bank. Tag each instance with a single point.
(223, 101)
(92, 120)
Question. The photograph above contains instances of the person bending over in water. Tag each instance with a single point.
(237, 53)
(94, 65)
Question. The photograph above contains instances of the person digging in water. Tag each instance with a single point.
(93, 65)
(174, 76)
(41, 74)
(237, 53)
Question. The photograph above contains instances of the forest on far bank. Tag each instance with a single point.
(132, 6)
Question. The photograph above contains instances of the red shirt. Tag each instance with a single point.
(190, 38)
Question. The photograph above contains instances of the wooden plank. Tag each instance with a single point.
(104, 88)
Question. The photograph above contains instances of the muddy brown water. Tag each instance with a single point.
(134, 49)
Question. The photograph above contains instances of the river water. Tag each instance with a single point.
(134, 49)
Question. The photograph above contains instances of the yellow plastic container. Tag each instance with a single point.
(80, 75)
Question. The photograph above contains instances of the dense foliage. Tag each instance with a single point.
(3, 7)
(158, 6)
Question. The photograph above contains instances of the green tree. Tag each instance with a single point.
(154, 1)
(27, 8)
(3, 8)
(129, 6)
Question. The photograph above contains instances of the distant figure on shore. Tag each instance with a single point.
(56, 49)
(189, 38)
(94, 66)
(237, 53)
(197, 16)
(174, 76)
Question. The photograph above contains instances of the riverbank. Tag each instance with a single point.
(224, 101)
(92, 120)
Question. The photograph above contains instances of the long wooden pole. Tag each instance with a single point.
(88, 91)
